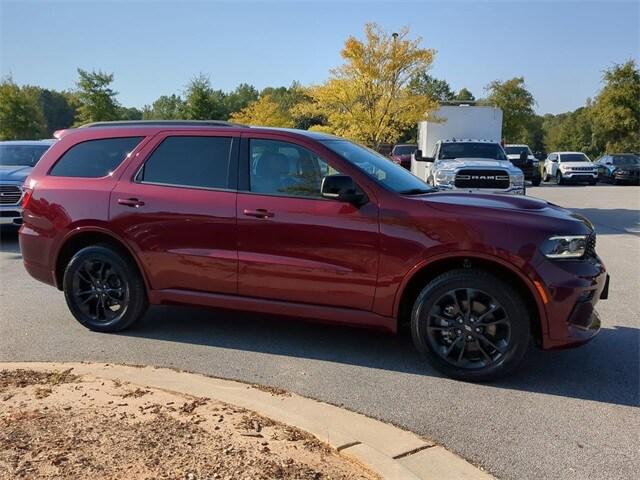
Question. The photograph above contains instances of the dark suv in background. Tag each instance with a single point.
(303, 224)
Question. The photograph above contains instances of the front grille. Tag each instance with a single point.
(581, 169)
(477, 178)
(10, 194)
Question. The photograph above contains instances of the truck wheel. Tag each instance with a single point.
(536, 182)
(103, 290)
(470, 325)
(559, 179)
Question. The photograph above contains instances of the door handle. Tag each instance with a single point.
(130, 202)
(259, 213)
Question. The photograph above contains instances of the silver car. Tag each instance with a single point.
(17, 159)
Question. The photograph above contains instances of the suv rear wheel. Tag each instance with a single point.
(103, 290)
(470, 325)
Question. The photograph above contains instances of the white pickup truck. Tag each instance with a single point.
(460, 150)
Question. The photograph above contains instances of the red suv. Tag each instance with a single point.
(296, 223)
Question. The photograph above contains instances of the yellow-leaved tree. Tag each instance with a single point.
(265, 111)
(368, 98)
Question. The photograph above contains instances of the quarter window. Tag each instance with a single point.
(201, 162)
(282, 168)
(94, 158)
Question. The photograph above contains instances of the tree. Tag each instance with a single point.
(129, 113)
(20, 116)
(57, 110)
(266, 111)
(165, 108)
(202, 102)
(435, 89)
(241, 97)
(464, 95)
(368, 97)
(516, 103)
(616, 110)
(97, 99)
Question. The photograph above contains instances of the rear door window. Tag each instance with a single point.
(94, 158)
(189, 161)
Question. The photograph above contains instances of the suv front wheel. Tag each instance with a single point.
(470, 325)
(103, 290)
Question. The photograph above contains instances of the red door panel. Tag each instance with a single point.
(306, 250)
(185, 238)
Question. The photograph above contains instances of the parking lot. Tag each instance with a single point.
(567, 414)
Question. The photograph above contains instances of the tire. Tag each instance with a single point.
(104, 290)
(536, 182)
(506, 328)
(592, 182)
(559, 179)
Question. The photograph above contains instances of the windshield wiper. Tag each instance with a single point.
(416, 191)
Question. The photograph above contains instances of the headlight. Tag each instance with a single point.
(517, 180)
(569, 246)
(445, 177)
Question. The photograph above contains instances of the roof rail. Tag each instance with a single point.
(162, 123)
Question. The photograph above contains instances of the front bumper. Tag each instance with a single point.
(574, 287)
(630, 177)
(513, 190)
(579, 177)
(10, 215)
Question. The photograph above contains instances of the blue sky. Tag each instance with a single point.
(154, 48)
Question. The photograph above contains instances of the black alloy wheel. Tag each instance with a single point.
(471, 325)
(104, 291)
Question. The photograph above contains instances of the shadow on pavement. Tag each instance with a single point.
(605, 370)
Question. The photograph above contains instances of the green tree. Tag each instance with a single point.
(517, 105)
(616, 110)
(97, 99)
(56, 108)
(166, 107)
(368, 97)
(240, 98)
(429, 86)
(20, 115)
(464, 95)
(202, 102)
(129, 113)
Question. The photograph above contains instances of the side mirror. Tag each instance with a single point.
(343, 189)
(419, 158)
(555, 160)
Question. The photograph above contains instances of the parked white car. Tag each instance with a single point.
(569, 167)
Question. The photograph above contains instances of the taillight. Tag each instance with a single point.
(26, 197)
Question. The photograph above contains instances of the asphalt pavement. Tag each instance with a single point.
(569, 414)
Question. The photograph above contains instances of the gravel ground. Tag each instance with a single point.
(570, 414)
(60, 426)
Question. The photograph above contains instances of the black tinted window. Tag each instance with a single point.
(283, 168)
(94, 158)
(451, 151)
(189, 161)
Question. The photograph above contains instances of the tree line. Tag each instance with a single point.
(377, 96)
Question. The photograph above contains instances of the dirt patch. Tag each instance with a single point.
(59, 425)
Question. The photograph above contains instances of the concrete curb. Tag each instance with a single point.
(389, 451)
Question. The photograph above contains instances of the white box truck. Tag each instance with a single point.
(459, 148)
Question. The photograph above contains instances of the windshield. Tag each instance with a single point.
(404, 149)
(450, 151)
(517, 150)
(574, 157)
(626, 160)
(379, 168)
(21, 155)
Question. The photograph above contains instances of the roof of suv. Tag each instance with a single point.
(160, 125)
